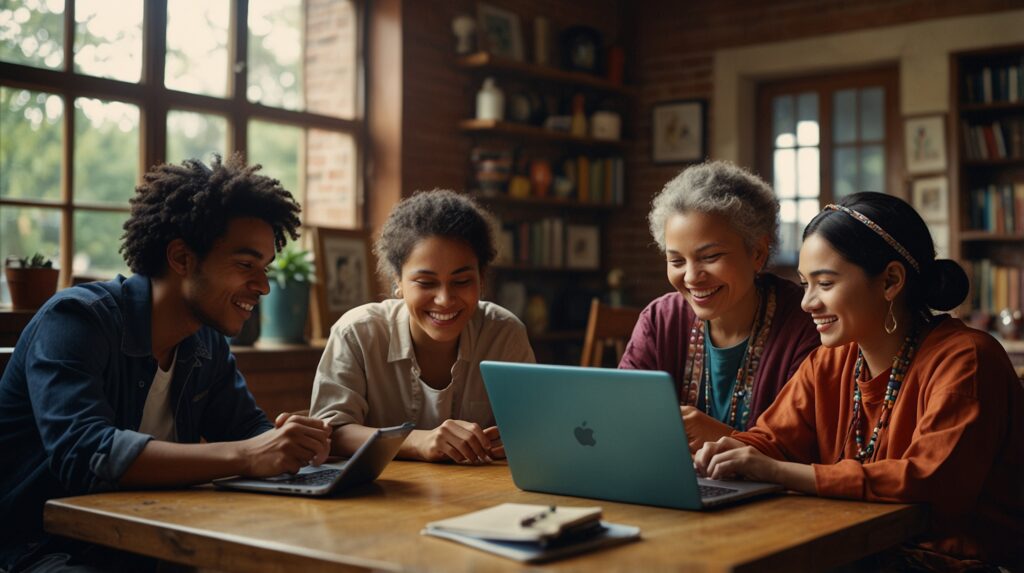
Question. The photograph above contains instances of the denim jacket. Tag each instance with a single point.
(72, 395)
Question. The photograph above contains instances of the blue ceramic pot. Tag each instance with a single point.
(283, 312)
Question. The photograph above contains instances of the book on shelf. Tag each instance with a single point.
(996, 287)
(997, 208)
(532, 533)
(538, 243)
(993, 84)
(1002, 139)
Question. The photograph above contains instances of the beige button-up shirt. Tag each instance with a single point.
(368, 374)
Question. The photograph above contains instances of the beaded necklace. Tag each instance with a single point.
(697, 359)
(900, 364)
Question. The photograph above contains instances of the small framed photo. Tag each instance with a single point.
(499, 32)
(343, 267)
(679, 131)
(582, 247)
(925, 143)
(930, 197)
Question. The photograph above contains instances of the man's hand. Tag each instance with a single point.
(727, 458)
(458, 440)
(497, 447)
(702, 428)
(295, 442)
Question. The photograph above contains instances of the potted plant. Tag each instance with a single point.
(283, 312)
(31, 280)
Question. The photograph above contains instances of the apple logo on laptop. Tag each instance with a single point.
(585, 435)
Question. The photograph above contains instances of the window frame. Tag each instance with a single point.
(154, 101)
(825, 85)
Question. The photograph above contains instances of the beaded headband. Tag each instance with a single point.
(880, 231)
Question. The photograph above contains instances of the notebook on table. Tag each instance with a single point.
(363, 467)
(601, 433)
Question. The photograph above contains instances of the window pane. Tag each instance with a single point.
(844, 116)
(872, 114)
(197, 46)
(783, 123)
(31, 140)
(275, 53)
(330, 58)
(277, 147)
(789, 233)
(844, 172)
(872, 168)
(193, 135)
(106, 151)
(26, 231)
(785, 173)
(807, 119)
(806, 211)
(330, 199)
(32, 32)
(97, 240)
(808, 170)
(108, 39)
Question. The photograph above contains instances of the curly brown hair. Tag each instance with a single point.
(195, 203)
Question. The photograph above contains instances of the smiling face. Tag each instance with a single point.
(223, 288)
(440, 284)
(708, 262)
(846, 305)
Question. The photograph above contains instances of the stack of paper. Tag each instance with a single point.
(533, 533)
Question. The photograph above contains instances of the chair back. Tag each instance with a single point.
(608, 326)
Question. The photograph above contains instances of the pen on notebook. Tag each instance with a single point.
(531, 519)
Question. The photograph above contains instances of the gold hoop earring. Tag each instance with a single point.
(885, 325)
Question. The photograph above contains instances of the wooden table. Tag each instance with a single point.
(376, 527)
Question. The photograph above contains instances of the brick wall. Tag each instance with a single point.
(672, 59)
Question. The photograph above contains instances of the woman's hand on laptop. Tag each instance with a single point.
(295, 442)
(458, 440)
(727, 458)
(702, 428)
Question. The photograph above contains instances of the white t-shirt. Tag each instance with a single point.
(157, 415)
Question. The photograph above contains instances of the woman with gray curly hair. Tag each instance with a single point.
(731, 335)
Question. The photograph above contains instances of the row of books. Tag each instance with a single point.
(998, 208)
(996, 84)
(550, 243)
(996, 287)
(998, 140)
(600, 181)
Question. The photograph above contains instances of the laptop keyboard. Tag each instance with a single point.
(314, 478)
(714, 491)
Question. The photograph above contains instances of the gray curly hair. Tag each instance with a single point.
(722, 188)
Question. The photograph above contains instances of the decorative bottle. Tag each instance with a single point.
(490, 101)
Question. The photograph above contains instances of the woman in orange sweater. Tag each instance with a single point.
(897, 405)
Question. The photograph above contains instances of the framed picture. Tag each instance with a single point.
(930, 197)
(343, 267)
(925, 143)
(679, 131)
(499, 32)
(582, 247)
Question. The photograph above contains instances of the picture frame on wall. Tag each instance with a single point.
(930, 197)
(582, 247)
(679, 131)
(500, 33)
(343, 269)
(925, 143)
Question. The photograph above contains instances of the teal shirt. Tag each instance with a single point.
(723, 364)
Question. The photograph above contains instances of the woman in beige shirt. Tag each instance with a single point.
(416, 357)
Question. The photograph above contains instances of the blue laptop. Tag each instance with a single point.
(601, 433)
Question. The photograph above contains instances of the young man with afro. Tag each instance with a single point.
(113, 384)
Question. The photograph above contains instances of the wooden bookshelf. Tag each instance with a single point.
(490, 63)
(532, 133)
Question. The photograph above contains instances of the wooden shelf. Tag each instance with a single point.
(980, 236)
(487, 62)
(1000, 106)
(533, 133)
(515, 267)
(558, 336)
(1007, 162)
(551, 202)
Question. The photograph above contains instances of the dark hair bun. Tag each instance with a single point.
(945, 284)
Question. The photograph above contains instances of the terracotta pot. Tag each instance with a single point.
(30, 288)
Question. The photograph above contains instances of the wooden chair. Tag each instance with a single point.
(607, 325)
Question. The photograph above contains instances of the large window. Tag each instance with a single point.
(823, 138)
(92, 92)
